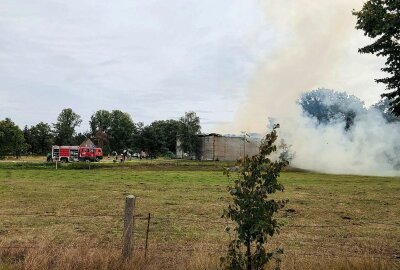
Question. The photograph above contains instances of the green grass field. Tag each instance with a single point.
(329, 218)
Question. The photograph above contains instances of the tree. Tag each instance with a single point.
(166, 131)
(12, 141)
(102, 139)
(100, 120)
(150, 141)
(100, 124)
(384, 107)
(189, 130)
(39, 138)
(64, 129)
(80, 137)
(380, 20)
(114, 131)
(28, 138)
(329, 106)
(159, 138)
(252, 208)
(122, 131)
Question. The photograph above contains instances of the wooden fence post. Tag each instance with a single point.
(127, 248)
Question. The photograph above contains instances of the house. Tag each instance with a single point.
(87, 143)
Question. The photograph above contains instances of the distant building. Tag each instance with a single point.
(87, 143)
(224, 148)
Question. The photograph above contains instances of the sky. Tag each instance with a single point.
(153, 59)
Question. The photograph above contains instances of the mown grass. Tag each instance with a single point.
(340, 221)
(145, 164)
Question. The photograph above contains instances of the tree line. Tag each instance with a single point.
(114, 131)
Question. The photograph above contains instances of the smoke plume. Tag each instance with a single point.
(313, 52)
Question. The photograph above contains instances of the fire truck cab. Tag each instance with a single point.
(91, 154)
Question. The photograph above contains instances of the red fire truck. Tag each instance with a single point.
(75, 153)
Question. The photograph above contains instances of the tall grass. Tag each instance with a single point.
(48, 257)
(74, 218)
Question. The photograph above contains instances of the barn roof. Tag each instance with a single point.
(87, 143)
(210, 134)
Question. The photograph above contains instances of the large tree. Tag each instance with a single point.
(384, 107)
(329, 106)
(28, 138)
(167, 131)
(64, 129)
(122, 131)
(113, 131)
(159, 138)
(100, 120)
(100, 125)
(189, 131)
(380, 20)
(39, 138)
(12, 141)
(149, 141)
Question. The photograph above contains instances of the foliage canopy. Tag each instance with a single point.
(39, 138)
(64, 129)
(380, 20)
(189, 130)
(12, 141)
(384, 107)
(159, 138)
(329, 106)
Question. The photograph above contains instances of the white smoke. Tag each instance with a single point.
(369, 147)
(318, 49)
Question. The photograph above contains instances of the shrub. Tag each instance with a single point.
(252, 209)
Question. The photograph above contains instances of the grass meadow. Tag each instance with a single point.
(72, 218)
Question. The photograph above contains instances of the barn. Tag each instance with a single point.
(224, 147)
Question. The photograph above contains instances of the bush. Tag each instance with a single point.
(252, 210)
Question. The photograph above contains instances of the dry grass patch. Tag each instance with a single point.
(49, 257)
(337, 221)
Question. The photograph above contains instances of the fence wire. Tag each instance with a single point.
(195, 220)
(183, 221)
